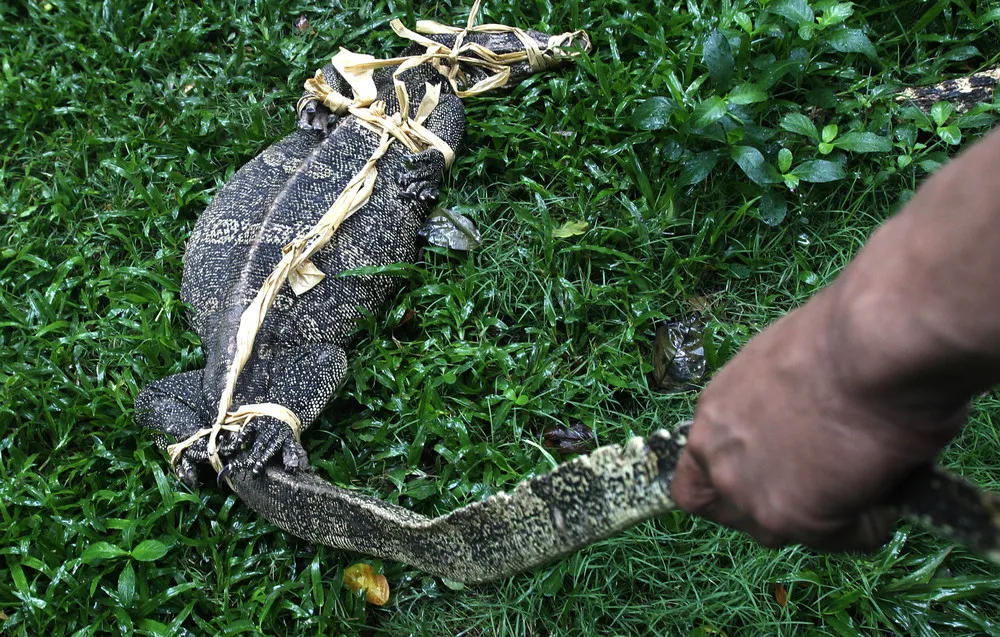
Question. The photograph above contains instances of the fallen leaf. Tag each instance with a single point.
(187, 88)
(570, 229)
(679, 354)
(406, 318)
(780, 595)
(303, 24)
(362, 576)
(699, 303)
(577, 438)
(450, 229)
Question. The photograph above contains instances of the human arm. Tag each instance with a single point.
(823, 413)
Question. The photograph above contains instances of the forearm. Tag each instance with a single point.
(916, 316)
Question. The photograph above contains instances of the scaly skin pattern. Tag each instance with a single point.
(299, 356)
(542, 519)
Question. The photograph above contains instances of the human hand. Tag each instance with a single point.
(785, 447)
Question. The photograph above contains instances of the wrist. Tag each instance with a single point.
(889, 336)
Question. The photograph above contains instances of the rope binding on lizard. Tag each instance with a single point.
(295, 266)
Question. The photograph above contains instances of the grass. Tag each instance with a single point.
(120, 122)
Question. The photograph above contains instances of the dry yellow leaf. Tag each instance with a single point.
(361, 576)
(571, 229)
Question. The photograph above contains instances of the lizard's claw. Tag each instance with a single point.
(420, 177)
(315, 116)
(194, 464)
(271, 436)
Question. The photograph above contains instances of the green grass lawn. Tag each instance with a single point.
(728, 158)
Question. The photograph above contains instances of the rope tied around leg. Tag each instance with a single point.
(295, 266)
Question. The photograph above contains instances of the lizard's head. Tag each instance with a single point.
(524, 52)
(543, 51)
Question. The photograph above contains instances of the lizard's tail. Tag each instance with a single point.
(548, 516)
(579, 502)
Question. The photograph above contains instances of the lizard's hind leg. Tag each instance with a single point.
(303, 380)
(172, 406)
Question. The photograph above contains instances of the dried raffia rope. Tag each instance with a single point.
(446, 59)
(295, 266)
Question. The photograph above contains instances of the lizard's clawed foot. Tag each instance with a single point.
(420, 177)
(315, 116)
(193, 464)
(271, 436)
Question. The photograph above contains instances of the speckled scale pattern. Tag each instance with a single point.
(299, 356)
(963, 93)
(542, 519)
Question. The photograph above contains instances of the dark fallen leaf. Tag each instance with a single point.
(699, 303)
(406, 318)
(302, 24)
(577, 438)
(449, 229)
(679, 354)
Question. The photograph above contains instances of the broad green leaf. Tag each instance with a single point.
(829, 133)
(860, 142)
(697, 168)
(837, 13)
(795, 11)
(453, 585)
(921, 575)
(654, 113)
(570, 229)
(126, 585)
(784, 160)
(818, 171)
(772, 208)
(950, 134)
(993, 15)
(799, 123)
(825, 148)
(754, 165)
(149, 550)
(708, 112)
(746, 94)
(851, 41)
(941, 111)
(101, 550)
(743, 20)
(717, 55)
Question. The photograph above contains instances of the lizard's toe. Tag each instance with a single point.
(294, 456)
(315, 116)
(187, 471)
(271, 437)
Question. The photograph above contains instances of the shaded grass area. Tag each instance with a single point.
(121, 122)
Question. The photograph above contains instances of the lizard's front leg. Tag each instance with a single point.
(421, 176)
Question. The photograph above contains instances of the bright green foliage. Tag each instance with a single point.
(714, 157)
